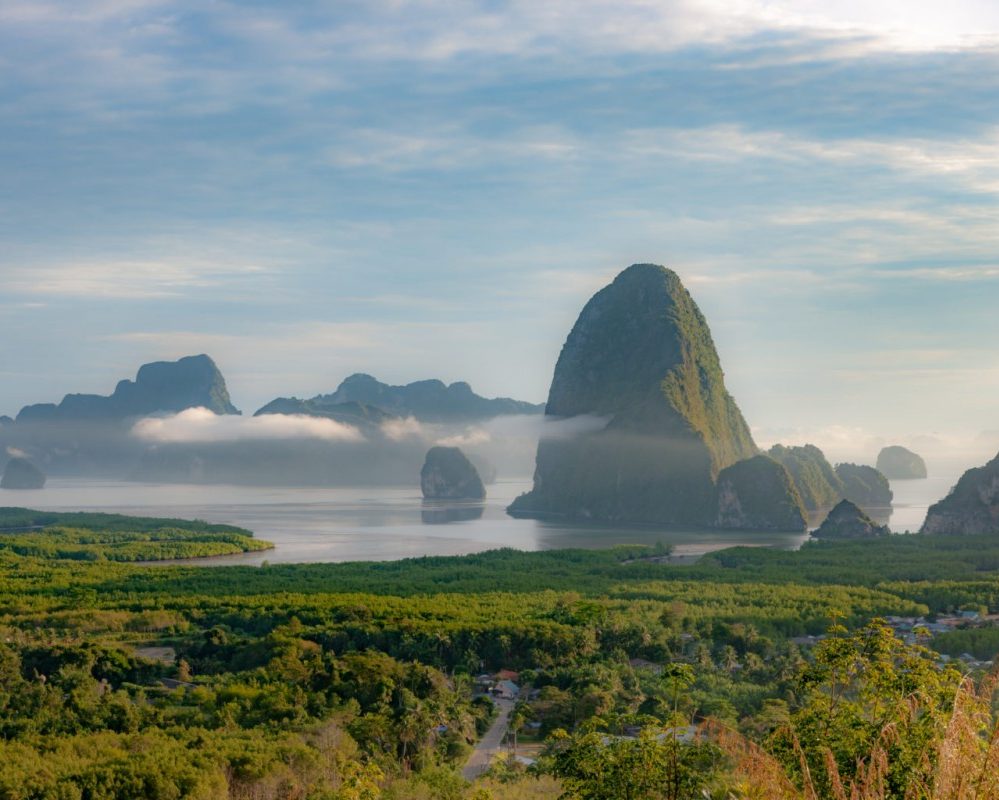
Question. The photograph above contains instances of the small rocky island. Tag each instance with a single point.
(447, 474)
(847, 521)
(758, 494)
(865, 486)
(22, 474)
(899, 464)
(971, 507)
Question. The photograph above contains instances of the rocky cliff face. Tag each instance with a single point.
(971, 507)
(758, 494)
(22, 474)
(641, 356)
(813, 475)
(448, 475)
(164, 386)
(847, 521)
(864, 485)
(898, 464)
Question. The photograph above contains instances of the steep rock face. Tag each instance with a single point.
(429, 401)
(971, 507)
(847, 521)
(758, 494)
(898, 464)
(448, 475)
(22, 474)
(640, 355)
(813, 475)
(163, 386)
(864, 485)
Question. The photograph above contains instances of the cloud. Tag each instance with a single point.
(539, 426)
(399, 430)
(196, 425)
(971, 162)
(15, 452)
(471, 437)
(121, 280)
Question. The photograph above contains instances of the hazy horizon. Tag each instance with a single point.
(423, 190)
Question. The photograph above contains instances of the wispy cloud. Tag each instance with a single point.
(125, 280)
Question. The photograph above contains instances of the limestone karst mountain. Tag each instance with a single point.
(427, 401)
(349, 413)
(758, 494)
(20, 473)
(163, 386)
(897, 463)
(864, 485)
(447, 474)
(848, 521)
(813, 475)
(641, 356)
(972, 505)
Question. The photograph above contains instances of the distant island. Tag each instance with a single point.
(447, 474)
(899, 464)
(163, 386)
(427, 401)
(20, 473)
(822, 486)
(92, 435)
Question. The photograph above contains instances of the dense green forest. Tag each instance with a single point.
(342, 681)
(114, 537)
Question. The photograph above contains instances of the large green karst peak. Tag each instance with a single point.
(640, 357)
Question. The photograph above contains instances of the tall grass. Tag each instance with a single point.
(962, 763)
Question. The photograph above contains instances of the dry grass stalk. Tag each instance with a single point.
(962, 765)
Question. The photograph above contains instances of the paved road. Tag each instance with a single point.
(490, 744)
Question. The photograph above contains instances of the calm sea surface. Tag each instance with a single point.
(379, 523)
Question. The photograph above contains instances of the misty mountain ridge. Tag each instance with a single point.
(162, 386)
(426, 401)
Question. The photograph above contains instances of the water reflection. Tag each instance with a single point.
(442, 512)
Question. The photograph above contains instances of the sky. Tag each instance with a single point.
(416, 188)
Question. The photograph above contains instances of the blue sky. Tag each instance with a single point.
(419, 188)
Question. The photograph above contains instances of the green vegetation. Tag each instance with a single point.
(641, 354)
(82, 536)
(817, 482)
(642, 679)
(864, 485)
(758, 494)
(970, 506)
